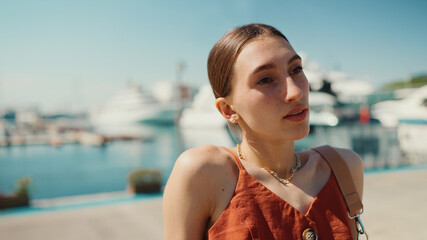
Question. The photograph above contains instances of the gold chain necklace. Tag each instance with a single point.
(273, 173)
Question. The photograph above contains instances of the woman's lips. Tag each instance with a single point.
(297, 115)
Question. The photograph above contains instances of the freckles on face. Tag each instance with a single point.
(260, 80)
(266, 56)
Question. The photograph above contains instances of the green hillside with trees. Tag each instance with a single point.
(413, 83)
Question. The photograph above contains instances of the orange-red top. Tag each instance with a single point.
(254, 212)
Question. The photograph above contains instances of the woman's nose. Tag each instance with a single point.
(294, 92)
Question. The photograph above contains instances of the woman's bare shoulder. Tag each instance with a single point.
(198, 179)
(209, 170)
(353, 160)
(206, 159)
(355, 164)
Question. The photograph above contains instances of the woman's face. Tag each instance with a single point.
(270, 91)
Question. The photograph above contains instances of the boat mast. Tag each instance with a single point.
(181, 65)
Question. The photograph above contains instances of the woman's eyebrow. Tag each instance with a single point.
(295, 57)
(272, 65)
(263, 67)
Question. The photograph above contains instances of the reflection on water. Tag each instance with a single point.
(378, 146)
(74, 169)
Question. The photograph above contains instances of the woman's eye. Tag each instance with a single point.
(265, 80)
(297, 70)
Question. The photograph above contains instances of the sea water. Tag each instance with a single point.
(74, 169)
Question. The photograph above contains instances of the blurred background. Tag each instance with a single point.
(92, 91)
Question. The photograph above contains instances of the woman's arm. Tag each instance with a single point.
(186, 201)
(195, 191)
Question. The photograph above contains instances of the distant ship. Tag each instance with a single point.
(203, 114)
(412, 107)
(409, 116)
(201, 123)
(132, 105)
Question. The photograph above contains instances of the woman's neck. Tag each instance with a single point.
(276, 155)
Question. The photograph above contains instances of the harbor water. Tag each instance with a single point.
(74, 169)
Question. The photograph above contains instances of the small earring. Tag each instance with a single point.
(234, 118)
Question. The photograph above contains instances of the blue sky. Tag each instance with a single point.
(57, 54)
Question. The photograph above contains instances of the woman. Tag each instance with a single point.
(261, 189)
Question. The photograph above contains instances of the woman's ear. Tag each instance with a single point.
(226, 109)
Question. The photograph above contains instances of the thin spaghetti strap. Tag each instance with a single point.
(239, 164)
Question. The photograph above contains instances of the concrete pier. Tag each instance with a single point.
(395, 208)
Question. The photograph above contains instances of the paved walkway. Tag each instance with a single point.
(396, 205)
(395, 208)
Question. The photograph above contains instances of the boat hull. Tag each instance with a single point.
(155, 115)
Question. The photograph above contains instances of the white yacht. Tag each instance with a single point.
(132, 105)
(413, 107)
(322, 109)
(201, 123)
(202, 112)
(412, 139)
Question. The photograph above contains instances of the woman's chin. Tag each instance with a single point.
(301, 133)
